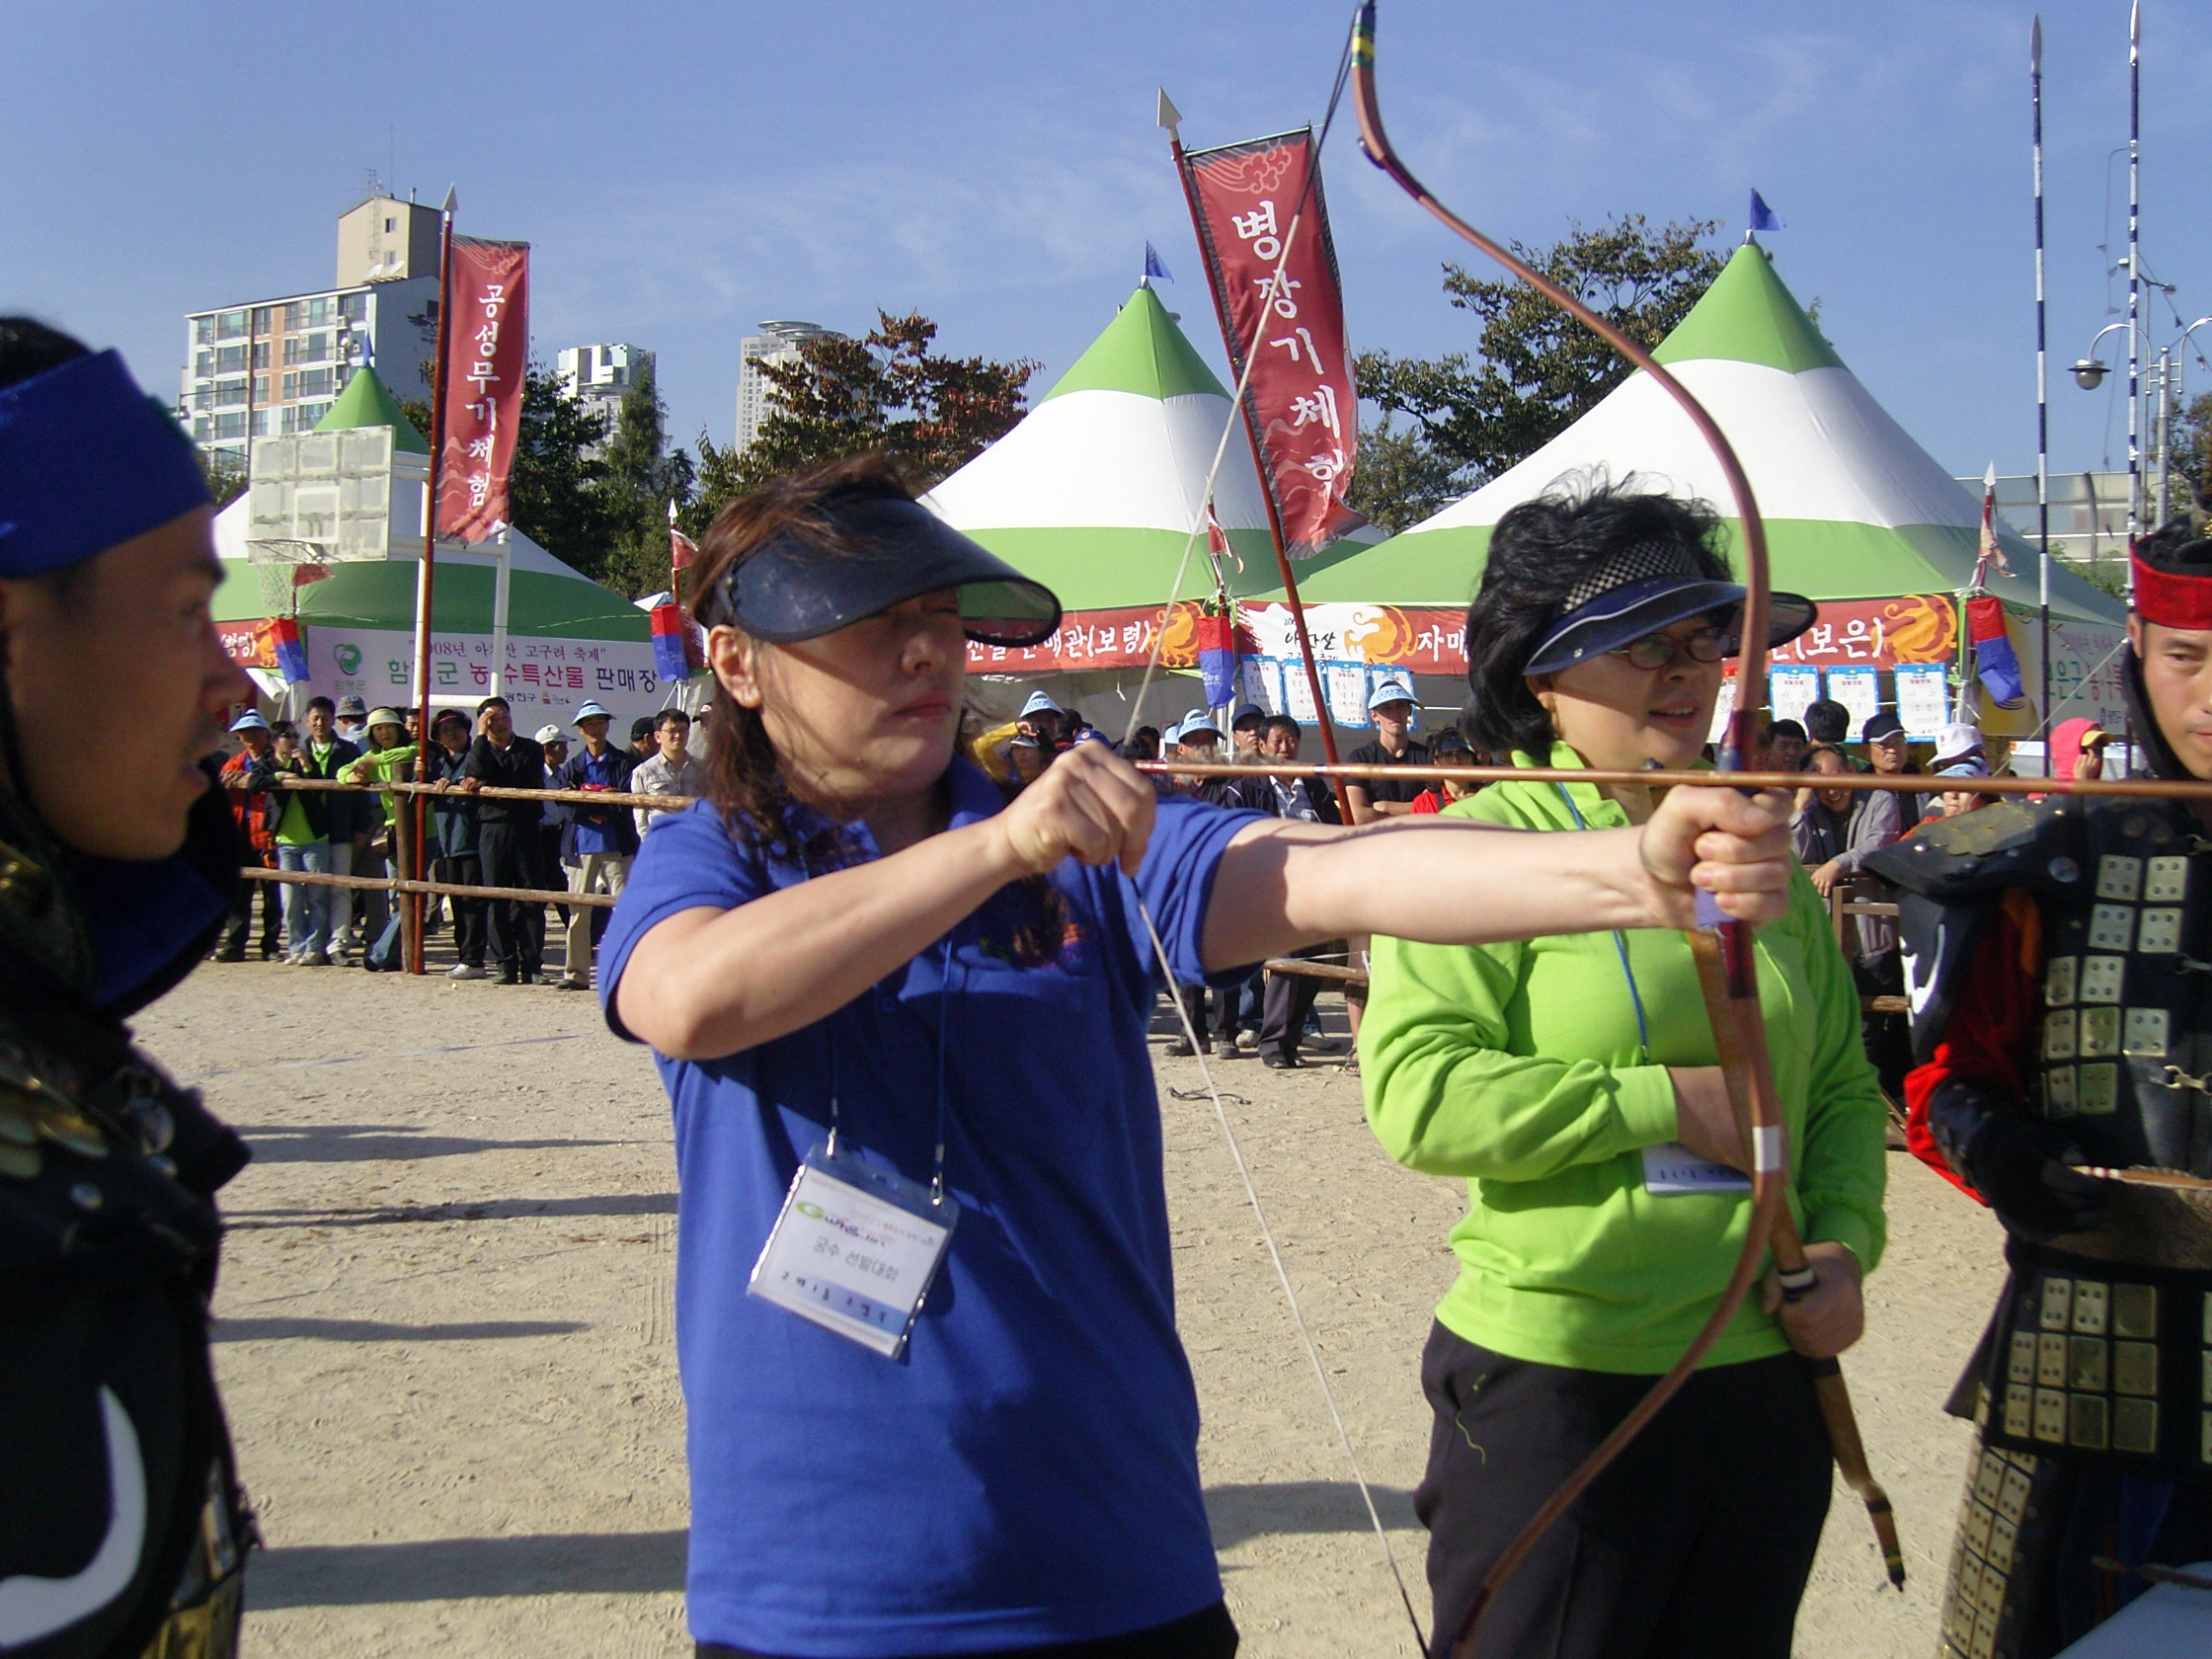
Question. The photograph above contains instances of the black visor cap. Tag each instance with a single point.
(896, 550)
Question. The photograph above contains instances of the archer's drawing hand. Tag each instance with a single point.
(1831, 1316)
(1722, 842)
(1090, 805)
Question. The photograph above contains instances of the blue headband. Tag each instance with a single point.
(87, 460)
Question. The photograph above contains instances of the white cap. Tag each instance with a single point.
(1957, 743)
(1389, 691)
(551, 734)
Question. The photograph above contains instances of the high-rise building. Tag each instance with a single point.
(599, 376)
(267, 367)
(776, 342)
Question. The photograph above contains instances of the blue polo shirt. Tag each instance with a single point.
(605, 770)
(1029, 1472)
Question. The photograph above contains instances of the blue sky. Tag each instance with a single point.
(685, 171)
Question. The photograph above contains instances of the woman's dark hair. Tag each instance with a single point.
(742, 777)
(1539, 551)
(29, 348)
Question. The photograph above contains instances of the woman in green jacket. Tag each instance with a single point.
(1571, 1083)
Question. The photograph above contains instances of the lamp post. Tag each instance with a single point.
(2165, 376)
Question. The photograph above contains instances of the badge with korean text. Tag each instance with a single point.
(854, 1250)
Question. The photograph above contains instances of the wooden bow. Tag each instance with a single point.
(1726, 966)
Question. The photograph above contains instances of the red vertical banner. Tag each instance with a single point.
(487, 350)
(1300, 403)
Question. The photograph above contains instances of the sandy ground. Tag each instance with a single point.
(445, 1335)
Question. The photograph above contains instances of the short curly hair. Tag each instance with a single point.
(1539, 551)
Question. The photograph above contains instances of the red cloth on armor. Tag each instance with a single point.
(1993, 1027)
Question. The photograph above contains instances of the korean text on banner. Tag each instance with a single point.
(487, 348)
(1300, 403)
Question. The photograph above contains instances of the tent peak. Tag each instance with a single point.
(1748, 315)
(367, 402)
(1141, 351)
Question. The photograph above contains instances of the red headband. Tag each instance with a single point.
(2172, 601)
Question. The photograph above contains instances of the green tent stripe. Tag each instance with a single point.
(1102, 569)
(380, 593)
(1141, 351)
(1749, 316)
(367, 402)
(1827, 558)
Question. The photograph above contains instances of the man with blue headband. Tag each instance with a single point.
(122, 1527)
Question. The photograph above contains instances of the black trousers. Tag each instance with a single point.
(1288, 998)
(464, 869)
(1697, 1542)
(514, 927)
(241, 921)
(1224, 1010)
(1206, 1635)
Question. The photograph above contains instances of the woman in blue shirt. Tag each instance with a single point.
(840, 958)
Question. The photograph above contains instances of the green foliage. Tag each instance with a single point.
(1537, 370)
(2188, 483)
(887, 390)
(1401, 478)
(225, 475)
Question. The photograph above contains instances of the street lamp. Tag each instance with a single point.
(2088, 374)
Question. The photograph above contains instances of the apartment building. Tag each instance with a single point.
(270, 367)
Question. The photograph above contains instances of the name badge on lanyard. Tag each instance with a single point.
(1673, 1170)
(854, 1250)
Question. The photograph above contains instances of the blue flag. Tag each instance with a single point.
(1155, 265)
(1764, 218)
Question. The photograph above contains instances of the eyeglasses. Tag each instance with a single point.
(1656, 651)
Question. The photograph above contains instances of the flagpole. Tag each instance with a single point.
(2042, 387)
(2134, 285)
(425, 577)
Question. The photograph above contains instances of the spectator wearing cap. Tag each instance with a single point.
(314, 834)
(351, 720)
(1287, 999)
(501, 758)
(1246, 730)
(1026, 760)
(1392, 705)
(1448, 749)
(1888, 756)
(1041, 718)
(642, 741)
(598, 842)
(671, 771)
(553, 823)
(1958, 743)
(1951, 803)
(2078, 750)
(456, 857)
(1197, 738)
(389, 757)
(256, 810)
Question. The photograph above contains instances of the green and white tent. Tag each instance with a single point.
(1095, 491)
(568, 638)
(1856, 511)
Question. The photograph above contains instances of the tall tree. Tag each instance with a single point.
(887, 390)
(643, 476)
(1401, 478)
(2189, 470)
(1537, 370)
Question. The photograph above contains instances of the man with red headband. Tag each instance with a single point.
(2059, 957)
(121, 1527)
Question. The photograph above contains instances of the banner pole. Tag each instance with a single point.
(425, 577)
(1259, 459)
(2042, 390)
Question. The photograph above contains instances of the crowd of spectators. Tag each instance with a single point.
(474, 839)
